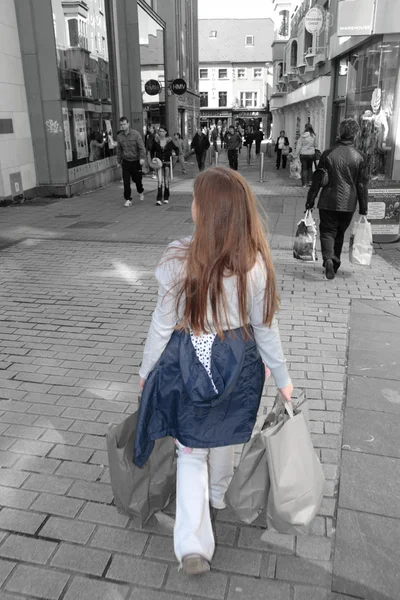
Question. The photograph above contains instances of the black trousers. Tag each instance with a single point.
(258, 146)
(280, 156)
(131, 169)
(307, 162)
(201, 160)
(233, 159)
(332, 227)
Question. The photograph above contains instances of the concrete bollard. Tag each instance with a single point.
(261, 167)
(216, 159)
(171, 169)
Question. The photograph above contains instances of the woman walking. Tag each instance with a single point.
(305, 148)
(202, 373)
(163, 148)
(179, 143)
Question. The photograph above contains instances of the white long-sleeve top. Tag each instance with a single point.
(170, 272)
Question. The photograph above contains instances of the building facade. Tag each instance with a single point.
(235, 81)
(301, 67)
(84, 63)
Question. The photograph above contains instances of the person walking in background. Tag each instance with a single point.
(258, 138)
(163, 149)
(233, 142)
(305, 149)
(214, 303)
(214, 138)
(149, 144)
(131, 155)
(249, 139)
(343, 175)
(282, 150)
(200, 144)
(179, 143)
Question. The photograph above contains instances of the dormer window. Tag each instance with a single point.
(249, 40)
(213, 34)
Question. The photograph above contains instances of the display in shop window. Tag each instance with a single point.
(80, 133)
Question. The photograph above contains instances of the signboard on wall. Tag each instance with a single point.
(80, 133)
(355, 17)
(314, 20)
(67, 135)
(384, 209)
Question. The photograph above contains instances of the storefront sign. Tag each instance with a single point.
(384, 210)
(355, 17)
(80, 133)
(152, 87)
(178, 86)
(245, 115)
(314, 20)
(67, 135)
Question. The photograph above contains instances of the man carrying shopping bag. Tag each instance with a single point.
(342, 175)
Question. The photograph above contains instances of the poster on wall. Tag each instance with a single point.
(80, 133)
(111, 143)
(384, 208)
(67, 135)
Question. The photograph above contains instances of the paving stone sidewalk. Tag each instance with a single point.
(74, 312)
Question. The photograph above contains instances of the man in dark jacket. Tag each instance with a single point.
(131, 154)
(342, 174)
(200, 144)
(258, 138)
(233, 142)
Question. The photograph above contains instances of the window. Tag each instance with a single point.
(213, 34)
(284, 24)
(248, 99)
(203, 73)
(204, 99)
(242, 73)
(257, 73)
(249, 40)
(103, 40)
(293, 54)
(222, 73)
(73, 32)
(223, 99)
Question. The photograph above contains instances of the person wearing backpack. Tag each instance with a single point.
(342, 174)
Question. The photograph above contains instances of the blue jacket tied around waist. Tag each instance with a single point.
(179, 399)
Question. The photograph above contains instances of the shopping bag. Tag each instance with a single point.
(247, 493)
(304, 245)
(295, 169)
(361, 248)
(295, 473)
(140, 492)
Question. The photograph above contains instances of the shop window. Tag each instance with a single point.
(222, 73)
(293, 54)
(242, 73)
(257, 73)
(248, 99)
(222, 99)
(249, 40)
(204, 99)
(203, 73)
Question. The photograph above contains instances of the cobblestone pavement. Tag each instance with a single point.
(75, 305)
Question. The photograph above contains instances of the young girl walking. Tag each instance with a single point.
(211, 336)
(163, 149)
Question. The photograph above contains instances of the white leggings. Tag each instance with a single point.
(203, 475)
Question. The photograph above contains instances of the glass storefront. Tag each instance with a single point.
(86, 88)
(367, 78)
(152, 64)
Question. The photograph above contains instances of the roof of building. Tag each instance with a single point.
(229, 43)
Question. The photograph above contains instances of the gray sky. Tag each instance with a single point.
(234, 9)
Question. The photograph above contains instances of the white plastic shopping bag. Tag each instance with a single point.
(304, 245)
(295, 169)
(361, 248)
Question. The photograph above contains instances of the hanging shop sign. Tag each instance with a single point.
(314, 20)
(178, 86)
(152, 87)
(355, 17)
(384, 209)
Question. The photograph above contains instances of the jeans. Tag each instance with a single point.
(131, 169)
(307, 161)
(203, 476)
(201, 160)
(233, 159)
(163, 177)
(280, 156)
(332, 227)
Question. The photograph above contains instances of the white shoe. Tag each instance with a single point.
(128, 203)
(141, 197)
(166, 201)
(159, 203)
(154, 176)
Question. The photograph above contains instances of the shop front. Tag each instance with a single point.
(218, 118)
(253, 119)
(367, 89)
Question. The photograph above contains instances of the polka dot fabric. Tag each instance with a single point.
(202, 345)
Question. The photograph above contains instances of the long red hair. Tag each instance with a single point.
(229, 238)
